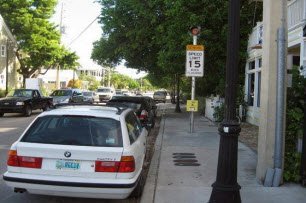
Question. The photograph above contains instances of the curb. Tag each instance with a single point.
(148, 194)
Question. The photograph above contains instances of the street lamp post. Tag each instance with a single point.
(226, 189)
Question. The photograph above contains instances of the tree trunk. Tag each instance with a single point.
(177, 107)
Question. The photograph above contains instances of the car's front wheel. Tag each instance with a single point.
(46, 107)
(27, 110)
(1, 114)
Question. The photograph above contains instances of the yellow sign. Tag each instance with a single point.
(192, 105)
(195, 48)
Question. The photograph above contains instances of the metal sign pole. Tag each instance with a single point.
(195, 38)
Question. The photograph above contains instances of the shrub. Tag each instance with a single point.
(294, 126)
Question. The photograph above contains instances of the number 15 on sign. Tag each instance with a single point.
(194, 60)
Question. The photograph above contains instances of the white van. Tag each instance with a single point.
(105, 93)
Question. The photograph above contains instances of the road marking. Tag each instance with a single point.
(5, 146)
(3, 130)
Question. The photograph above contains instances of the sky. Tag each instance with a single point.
(76, 16)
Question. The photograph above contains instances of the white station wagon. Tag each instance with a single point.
(80, 151)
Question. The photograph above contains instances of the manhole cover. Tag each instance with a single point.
(183, 153)
(187, 164)
(185, 159)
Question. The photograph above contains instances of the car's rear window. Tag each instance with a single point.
(119, 103)
(75, 130)
(61, 93)
(160, 93)
(87, 93)
(104, 90)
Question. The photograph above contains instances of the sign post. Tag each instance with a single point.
(194, 65)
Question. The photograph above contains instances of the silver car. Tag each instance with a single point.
(90, 97)
(67, 96)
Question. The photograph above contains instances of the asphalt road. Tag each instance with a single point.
(11, 127)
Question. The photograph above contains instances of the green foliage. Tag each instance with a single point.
(93, 84)
(152, 35)
(2, 93)
(294, 126)
(37, 38)
(75, 83)
(292, 167)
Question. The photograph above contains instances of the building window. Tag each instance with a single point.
(3, 51)
(251, 85)
(258, 89)
(252, 65)
(253, 82)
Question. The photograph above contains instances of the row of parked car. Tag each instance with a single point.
(80, 149)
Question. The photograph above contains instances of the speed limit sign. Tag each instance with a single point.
(194, 60)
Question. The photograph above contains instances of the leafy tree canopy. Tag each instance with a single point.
(152, 35)
(37, 38)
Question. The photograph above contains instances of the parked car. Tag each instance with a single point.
(105, 93)
(80, 151)
(160, 96)
(90, 97)
(141, 105)
(152, 104)
(24, 101)
(63, 96)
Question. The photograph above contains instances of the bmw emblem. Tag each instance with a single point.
(67, 154)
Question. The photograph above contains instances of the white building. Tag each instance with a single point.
(8, 60)
(296, 55)
(98, 73)
(49, 78)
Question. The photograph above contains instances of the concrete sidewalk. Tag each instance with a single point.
(167, 182)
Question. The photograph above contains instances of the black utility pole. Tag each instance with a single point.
(303, 159)
(226, 189)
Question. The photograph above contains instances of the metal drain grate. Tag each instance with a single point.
(185, 159)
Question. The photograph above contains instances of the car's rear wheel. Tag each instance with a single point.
(137, 192)
(27, 110)
(1, 114)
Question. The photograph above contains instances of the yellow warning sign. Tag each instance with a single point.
(192, 105)
(195, 48)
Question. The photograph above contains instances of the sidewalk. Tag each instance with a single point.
(167, 182)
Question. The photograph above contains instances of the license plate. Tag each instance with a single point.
(68, 164)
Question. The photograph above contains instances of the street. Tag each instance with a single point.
(11, 127)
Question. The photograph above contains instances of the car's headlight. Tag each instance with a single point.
(19, 103)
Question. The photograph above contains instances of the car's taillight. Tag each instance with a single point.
(12, 159)
(107, 166)
(23, 161)
(29, 162)
(125, 165)
(143, 115)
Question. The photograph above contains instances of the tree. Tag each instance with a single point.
(93, 84)
(152, 35)
(120, 81)
(74, 83)
(38, 40)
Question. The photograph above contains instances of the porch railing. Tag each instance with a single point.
(256, 37)
(296, 12)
